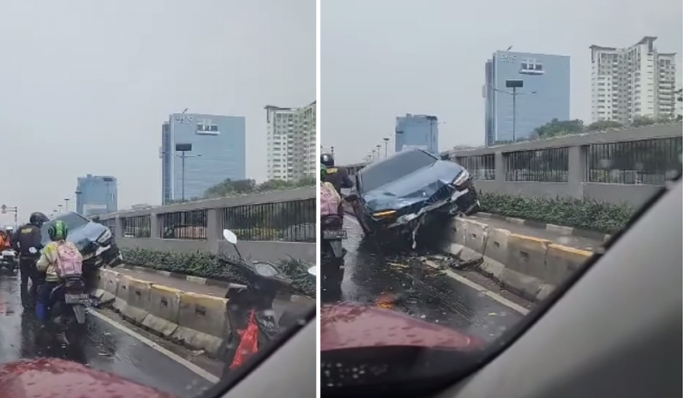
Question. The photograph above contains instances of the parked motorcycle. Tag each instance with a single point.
(332, 254)
(250, 306)
(69, 302)
(9, 261)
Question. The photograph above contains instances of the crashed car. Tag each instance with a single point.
(94, 241)
(410, 189)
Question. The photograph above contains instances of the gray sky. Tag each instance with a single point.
(384, 58)
(85, 85)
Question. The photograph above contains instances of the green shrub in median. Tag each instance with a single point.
(578, 213)
(207, 265)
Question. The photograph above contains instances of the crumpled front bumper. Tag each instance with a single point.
(464, 201)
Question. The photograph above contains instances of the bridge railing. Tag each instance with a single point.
(617, 166)
(269, 226)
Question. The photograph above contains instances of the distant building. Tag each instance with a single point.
(544, 94)
(291, 142)
(96, 195)
(199, 151)
(632, 82)
(417, 131)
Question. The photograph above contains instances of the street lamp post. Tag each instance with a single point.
(386, 142)
(183, 149)
(514, 84)
(66, 204)
(379, 151)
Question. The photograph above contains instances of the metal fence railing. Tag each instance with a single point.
(482, 167)
(292, 221)
(647, 162)
(644, 155)
(541, 165)
(190, 224)
(136, 227)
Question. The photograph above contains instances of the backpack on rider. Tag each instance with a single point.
(60, 259)
(330, 201)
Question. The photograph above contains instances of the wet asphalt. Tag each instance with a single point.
(405, 284)
(105, 348)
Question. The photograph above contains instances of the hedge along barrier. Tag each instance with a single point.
(584, 214)
(207, 265)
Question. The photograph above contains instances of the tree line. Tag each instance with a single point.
(557, 128)
(229, 188)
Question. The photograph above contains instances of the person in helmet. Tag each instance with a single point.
(27, 242)
(59, 259)
(337, 176)
(330, 200)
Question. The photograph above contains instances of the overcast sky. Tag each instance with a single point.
(85, 85)
(384, 58)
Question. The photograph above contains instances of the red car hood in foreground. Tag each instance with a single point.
(57, 378)
(356, 326)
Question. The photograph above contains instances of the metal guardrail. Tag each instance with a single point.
(283, 216)
(616, 166)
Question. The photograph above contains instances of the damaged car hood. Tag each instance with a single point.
(412, 188)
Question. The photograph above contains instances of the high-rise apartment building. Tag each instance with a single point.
(96, 195)
(632, 82)
(199, 151)
(291, 142)
(417, 131)
(524, 91)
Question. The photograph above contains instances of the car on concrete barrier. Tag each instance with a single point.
(409, 189)
(95, 241)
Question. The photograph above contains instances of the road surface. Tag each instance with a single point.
(416, 290)
(106, 347)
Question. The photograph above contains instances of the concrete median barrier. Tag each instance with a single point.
(202, 322)
(525, 265)
(562, 261)
(132, 298)
(163, 310)
(107, 285)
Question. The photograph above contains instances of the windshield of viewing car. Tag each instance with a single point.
(558, 152)
(394, 168)
(170, 121)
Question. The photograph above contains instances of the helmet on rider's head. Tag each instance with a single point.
(58, 230)
(323, 172)
(38, 219)
(327, 159)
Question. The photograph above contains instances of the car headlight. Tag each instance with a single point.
(106, 235)
(461, 179)
(385, 213)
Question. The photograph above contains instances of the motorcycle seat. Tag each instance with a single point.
(332, 220)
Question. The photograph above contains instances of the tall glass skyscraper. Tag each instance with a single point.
(544, 94)
(96, 195)
(199, 151)
(417, 131)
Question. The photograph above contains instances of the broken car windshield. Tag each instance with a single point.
(394, 168)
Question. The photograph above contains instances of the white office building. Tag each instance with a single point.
(632, 82)
(291, 142)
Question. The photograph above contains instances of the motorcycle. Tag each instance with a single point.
(251, 305)
(69, 302)
(9, 261)
(332, 253)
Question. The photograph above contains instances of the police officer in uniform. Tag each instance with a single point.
(27, 242)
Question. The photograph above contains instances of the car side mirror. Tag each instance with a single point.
(445, 157)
